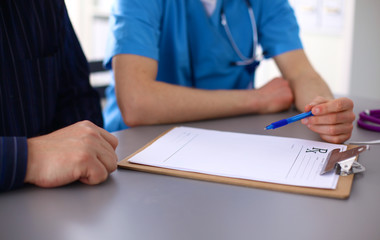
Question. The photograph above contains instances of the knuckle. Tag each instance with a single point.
(84, 124)
(114, 166)
(116, 140)
(352, 117)
(89, 133)
(84, 157)
(339, 106)
(319, 99)
(331, 130)
(334, 118)
(351, 128)
(77, 173)
(87, 123)
(313, 120)
(101, 177)
(104, 177)
(94, 180)
(87, 140)
(349, 102)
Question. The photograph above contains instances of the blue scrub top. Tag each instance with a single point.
(192, 48)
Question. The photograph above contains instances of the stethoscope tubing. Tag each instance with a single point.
(370, 120)
(244, 60)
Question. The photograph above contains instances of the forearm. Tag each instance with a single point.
(143, 100)
(306, 83)
(159, 102)
(307, 87)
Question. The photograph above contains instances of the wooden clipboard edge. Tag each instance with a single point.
(342, 190)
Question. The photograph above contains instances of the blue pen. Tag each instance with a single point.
(286, 121)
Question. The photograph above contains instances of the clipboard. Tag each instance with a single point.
(342, 191)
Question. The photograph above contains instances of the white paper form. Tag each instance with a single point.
(280, 160)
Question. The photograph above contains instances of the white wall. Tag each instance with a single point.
(365, 68)
(90, 21)
(80, 12)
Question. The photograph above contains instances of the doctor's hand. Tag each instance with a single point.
(274, 96)
(332, 120)
(82, 151)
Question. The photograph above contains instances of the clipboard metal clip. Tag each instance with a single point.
(344, 162)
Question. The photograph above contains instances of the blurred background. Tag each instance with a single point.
(340, 37)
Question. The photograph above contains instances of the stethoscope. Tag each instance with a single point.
(252, 62)
(370, 120)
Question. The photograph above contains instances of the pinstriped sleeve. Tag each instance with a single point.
(78, 100)
(13, 162)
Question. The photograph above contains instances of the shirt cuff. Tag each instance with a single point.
(13, 162)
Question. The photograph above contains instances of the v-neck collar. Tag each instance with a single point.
(215, 16)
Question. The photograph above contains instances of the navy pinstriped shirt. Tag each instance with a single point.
(44, 82)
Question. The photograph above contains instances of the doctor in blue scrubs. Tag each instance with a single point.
(187, 60)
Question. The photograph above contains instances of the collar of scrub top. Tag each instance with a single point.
(370, 120)
(252, 62)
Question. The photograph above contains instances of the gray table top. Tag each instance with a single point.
(136, 205)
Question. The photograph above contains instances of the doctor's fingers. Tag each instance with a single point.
(316, 101)
(331, 118)
(332, 129)
(333, 133)
(333, 106)
(319, 100)
(336, 138)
